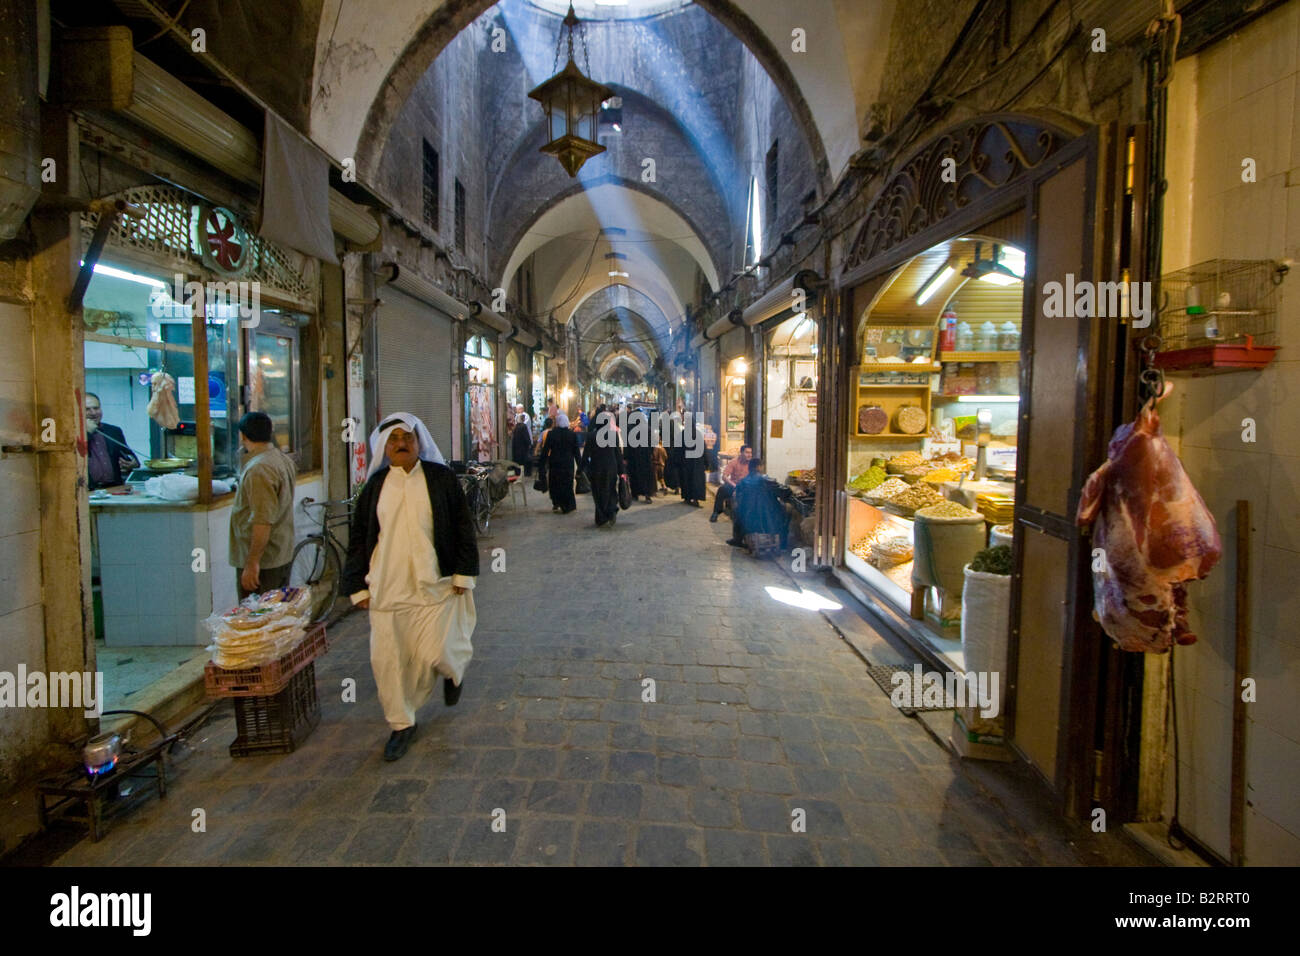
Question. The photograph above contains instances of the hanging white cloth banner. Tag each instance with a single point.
(295, 207)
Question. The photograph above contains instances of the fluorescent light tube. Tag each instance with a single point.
(936, 280)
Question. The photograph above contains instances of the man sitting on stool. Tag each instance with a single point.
(756, 509)
(732, 475)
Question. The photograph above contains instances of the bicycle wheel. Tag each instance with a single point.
(480, 507)
(316, 565)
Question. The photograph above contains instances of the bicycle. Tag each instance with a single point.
(318, 558)
(474, 482)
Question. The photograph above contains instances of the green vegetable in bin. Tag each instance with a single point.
(994, 560)
(869, 479)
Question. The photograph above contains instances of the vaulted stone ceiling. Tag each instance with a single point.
(663, 210)
(366, 65)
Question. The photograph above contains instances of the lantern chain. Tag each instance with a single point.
(571, 21)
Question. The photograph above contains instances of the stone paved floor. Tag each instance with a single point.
(761, 711)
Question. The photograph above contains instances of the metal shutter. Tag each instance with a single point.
(414, 370)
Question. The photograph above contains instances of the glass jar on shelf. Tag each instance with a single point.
(965, 337)
(1008, 337)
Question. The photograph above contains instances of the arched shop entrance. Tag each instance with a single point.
(934, 401)
(789, 426)
(1035, 398)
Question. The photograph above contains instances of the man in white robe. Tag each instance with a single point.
(412, 562)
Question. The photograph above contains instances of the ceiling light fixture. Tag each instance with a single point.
(992, 270)
(932, 284)
(104, 270)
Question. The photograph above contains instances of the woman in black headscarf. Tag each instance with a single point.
(521, 444)
(640, 467)
(602, 460)
(557, 460)
(693, 478)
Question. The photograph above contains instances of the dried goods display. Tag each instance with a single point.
(911, 419)
(995, 560)
(947, 509)
(888, 550)
(916, 496)
(869, 479)
(872, 419)
(940, 475)
(886, 490)
(897, 464)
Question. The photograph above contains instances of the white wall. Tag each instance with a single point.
(1239, 99)
(797, 446)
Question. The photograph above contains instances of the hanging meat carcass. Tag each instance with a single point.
(1155, 533)
(162, 405)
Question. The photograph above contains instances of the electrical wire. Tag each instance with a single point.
(173, 21)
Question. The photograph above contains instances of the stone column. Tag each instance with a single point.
(60, 396)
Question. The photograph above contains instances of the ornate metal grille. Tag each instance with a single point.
(951, 172)
(170, 232)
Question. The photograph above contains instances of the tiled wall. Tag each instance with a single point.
(124, 401)
(22, 619)
(1241, 99)
(152, 596)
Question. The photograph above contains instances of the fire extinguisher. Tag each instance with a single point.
(948, 331)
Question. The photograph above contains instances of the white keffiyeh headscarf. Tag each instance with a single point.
(428, 450)
(561, 420)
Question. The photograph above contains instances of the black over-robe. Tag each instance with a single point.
(603, 466)
(640, 467)
(521, 447)
(559, 455)
(673, 469)
(693, 477)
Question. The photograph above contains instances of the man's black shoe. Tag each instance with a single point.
(734, 543)
(713, 518)
(450, 691)
(398, 743)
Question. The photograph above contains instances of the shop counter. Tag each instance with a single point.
(165, 565)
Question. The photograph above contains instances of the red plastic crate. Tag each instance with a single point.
(266, 679)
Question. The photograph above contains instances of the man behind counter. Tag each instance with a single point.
(261, 521)
(108, 456)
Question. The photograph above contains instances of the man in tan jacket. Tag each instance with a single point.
(261, 522)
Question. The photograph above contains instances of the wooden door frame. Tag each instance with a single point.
(1088, 696)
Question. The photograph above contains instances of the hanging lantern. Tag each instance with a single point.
(572, 105)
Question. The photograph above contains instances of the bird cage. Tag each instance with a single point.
(1219, 315)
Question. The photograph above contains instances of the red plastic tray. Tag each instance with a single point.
(1217, 359)
(266, 679)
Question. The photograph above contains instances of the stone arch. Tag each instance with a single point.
(709, 263)
(453, 16)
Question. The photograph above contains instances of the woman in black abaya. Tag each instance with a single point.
(557, 460)
(640, 467)
(602, 460)
(521, 445)
(694, 482)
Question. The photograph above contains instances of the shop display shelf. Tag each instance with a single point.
(1010, 355)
